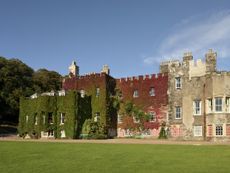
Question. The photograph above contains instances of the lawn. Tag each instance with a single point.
(41, 157)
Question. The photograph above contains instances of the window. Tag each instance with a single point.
(62, 118)
(135, 93)
(50, 133)
(178, 112)
(178, 82)
(209, 105)
(44, 119)
(97, 117)
(63, 134)
(152, 116)
(97, 92)
(219, 130)
(197, 130)
(119, 118)
(136, 119)
(27, 118)
(227, 104)
(218, 104)
(82, 92)
(127, 132)
(197, 107)
(152, 91)
(50, 118)
(61, 93)
(36, 120)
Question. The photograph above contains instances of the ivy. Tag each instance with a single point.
(75, 109)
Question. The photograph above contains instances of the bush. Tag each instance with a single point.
(163, 134)
(93, 130)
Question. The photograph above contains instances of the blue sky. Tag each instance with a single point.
(131, 36)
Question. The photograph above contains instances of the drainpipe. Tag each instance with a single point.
(204, 132)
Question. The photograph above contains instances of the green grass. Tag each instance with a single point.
(23, 157)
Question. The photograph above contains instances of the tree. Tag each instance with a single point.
(44, 80)
(15, 81)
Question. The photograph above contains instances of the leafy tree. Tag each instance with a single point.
(15, 81)
(44, 80)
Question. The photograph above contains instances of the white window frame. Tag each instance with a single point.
(152, 91)
(178, 82)
(178, 111)
(61, 93)
(82, 93)
(97, 92)
(119, 119)
(217, 106)
(62, 118)
(63, 135)
(197, 131)
(36, 120)
(219, 130)
(136, 120)
(97, 117)
(197, 107)
(44, 119)
(135, 93)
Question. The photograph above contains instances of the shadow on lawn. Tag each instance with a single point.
(7, 130)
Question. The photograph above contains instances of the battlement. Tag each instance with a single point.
(142, 77)
(197, 68)
(196, 63)
(92, 75)
(222, 73)
(170, 62)
(187, 54)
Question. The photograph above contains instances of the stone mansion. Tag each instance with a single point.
(191, 97)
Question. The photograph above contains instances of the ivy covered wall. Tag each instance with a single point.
(35, 115)
(101, 89)
(32, 109)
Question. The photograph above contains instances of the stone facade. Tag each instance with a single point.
(194, 90)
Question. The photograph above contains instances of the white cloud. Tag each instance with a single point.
(196, 35)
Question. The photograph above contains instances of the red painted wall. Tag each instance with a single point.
(143, 84)
(147, 103)
(85, 82)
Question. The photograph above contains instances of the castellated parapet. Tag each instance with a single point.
(142, 77)
(196, 68)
